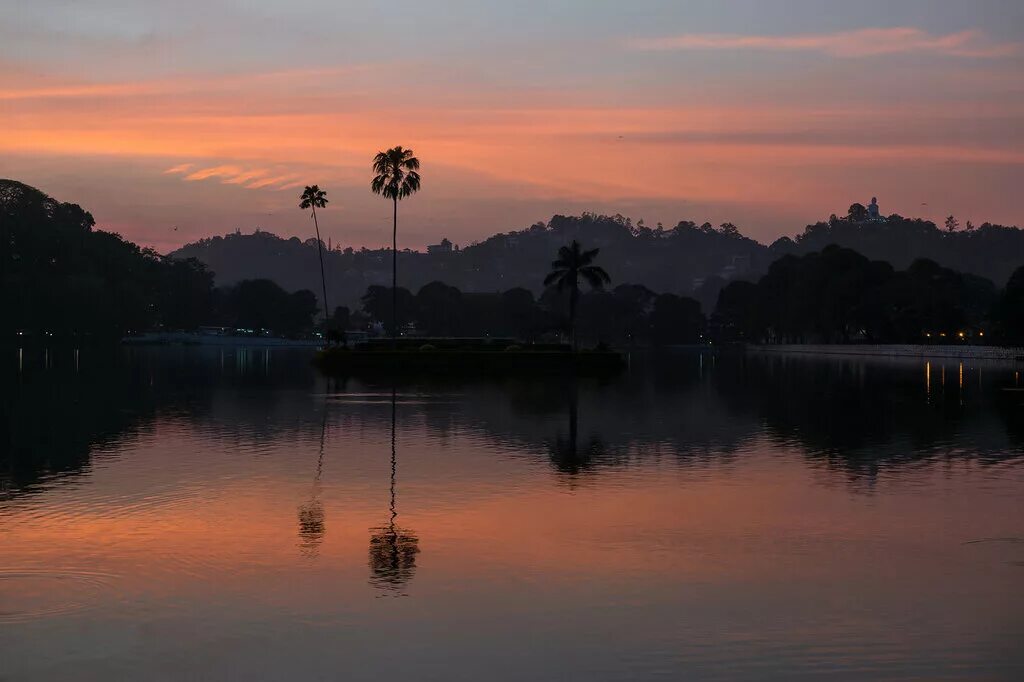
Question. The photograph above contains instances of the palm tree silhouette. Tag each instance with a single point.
(395, 177)
(572, 263)
(313, 198)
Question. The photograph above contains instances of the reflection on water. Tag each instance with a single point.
(393, 549)
(164, 514)
(311, 514)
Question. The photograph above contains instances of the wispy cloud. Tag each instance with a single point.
(279, 181)
(250, 178)
(867, 42)
(225, 172)
(289, 78)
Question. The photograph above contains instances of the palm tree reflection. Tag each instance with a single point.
(566, 454)
(311, 514)
(393, 549)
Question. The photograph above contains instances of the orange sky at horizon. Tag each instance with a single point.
(759, 131)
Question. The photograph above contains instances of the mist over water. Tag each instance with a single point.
(191, 513)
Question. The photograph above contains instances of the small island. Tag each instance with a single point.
(486, 355)
(462, 356)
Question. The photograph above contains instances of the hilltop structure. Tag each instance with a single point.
(873, 212)
(444, 247)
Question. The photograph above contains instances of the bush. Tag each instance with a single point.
(428, 347)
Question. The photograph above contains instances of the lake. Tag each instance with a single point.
(229, 514)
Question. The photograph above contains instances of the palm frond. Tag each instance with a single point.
(595, 276)
(553, 277)
(395, 173)
(313, 196)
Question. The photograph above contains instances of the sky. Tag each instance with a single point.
(175, 121)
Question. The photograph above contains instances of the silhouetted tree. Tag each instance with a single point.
(1009, 311)
(736, 316)
(566, 270)
(676, 320)
(952, 224)
(857, 213)
(396, 176)
(261, 304)
(730, 230)
(439, 310)
(380, 304)
(60, 276)
(313, 198)
(840, 296)
(519, 314)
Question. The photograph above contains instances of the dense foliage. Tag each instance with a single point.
(62, 277)
(991, 251)
(839, 296)
(625, 315)
(256, 304)
(690, 259)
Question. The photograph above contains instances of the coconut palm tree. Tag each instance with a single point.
(572, 264)
(313, 198)
(395, 177)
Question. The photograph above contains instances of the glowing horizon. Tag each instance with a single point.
(768, 119)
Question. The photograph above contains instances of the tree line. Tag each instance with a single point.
(61, 277)
(627, 314)
(840, 296)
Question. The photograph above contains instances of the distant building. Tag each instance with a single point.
(444, 247)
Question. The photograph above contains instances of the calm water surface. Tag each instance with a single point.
(171, 514)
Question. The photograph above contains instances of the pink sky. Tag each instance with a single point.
(152, 123)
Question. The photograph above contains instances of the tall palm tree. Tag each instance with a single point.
(572, 264)
(395, 177)
(313, 198)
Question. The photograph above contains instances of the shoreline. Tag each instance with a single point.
(192, 339)
(1002, 353)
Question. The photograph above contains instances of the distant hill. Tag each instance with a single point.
(690, 259)
(678, 260)
(990, 251)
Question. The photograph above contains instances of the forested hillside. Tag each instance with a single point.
(691, 259)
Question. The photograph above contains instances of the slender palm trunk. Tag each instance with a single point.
(323, 279)
(573, 296)
(394, 279)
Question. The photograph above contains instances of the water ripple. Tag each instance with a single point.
(31, 594)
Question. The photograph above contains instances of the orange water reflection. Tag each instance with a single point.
(196, 547)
